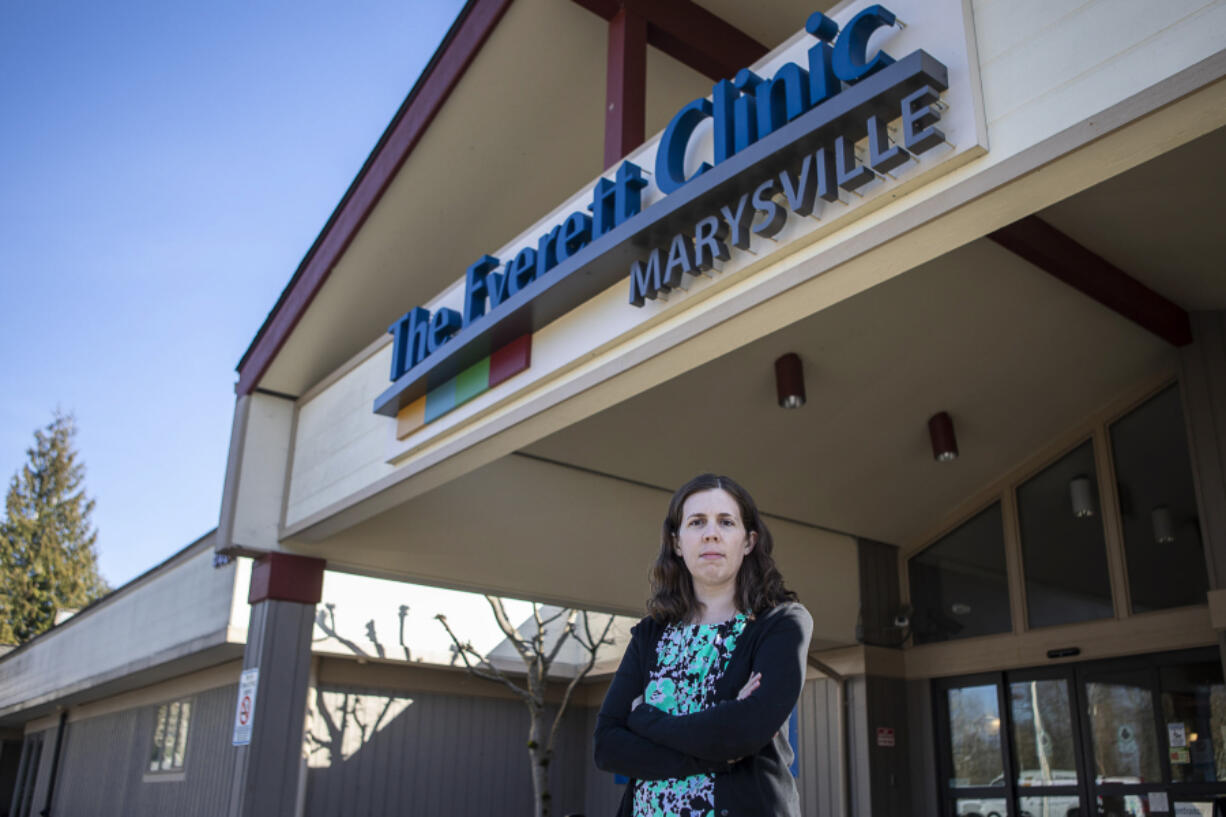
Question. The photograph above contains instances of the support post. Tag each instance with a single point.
(1202, 375)
(625, 85)
(284, 592)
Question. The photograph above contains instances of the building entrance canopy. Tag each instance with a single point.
(552, 484)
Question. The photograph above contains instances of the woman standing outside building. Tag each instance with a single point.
(696, 714)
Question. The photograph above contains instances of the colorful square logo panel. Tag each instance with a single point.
(477, 379)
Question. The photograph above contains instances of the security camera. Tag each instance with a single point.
(902, 619)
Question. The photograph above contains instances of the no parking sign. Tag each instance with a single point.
(244, 710)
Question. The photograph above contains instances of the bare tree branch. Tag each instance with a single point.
(566, 633)
(555, 616)
(579, 676)
(484, 669)
(508, 629)
(538, 640)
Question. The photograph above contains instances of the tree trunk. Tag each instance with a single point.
(539, 753)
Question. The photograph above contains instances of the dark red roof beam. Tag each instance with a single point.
(689, 34)
(446, 67)
(1055, 253)
(625, 119)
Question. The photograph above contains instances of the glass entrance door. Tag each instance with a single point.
(1124, 738)
(1122, 749)
(1045, 733)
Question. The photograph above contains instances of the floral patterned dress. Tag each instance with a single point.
(689, 660)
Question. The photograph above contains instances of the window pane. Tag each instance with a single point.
(1122, 727)
(1064, 555)
(1194, 808)
(980, 807)
(958, 584)
(181, 742)
(1043, 733)
(159, 732)
(1194, 711)
(974, 730)
(1054, 805)
(1166, 565)
(168, 742)
(1124, 805)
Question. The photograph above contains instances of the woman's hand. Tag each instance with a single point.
(754, 681)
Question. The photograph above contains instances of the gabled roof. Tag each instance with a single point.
(461, 43)
(531, 73)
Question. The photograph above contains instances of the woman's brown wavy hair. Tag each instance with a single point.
(759, 585)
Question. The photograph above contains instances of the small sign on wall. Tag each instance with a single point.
(244, 710)
(885, 736)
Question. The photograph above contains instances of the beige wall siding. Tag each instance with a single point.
(1047, 65)
(177, 611)
(256, 472)
(340, 444)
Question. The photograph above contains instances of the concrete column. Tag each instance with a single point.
(284, 592)
(1202, 367)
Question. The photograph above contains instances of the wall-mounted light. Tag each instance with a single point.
(944, 443)
(1081, 492)
(790, 381)
(1164, 526)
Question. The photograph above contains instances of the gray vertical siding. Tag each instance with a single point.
(463, 755)
(603, 792)
(879, 591)
(102, 769)
(889, 766)
(821, 774)
(921, 747)
(440, 754)
(858, 746)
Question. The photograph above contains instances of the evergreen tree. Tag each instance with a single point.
(47, 558)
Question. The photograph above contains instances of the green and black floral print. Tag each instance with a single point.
(689, 660)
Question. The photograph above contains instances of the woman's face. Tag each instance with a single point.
(712, 540)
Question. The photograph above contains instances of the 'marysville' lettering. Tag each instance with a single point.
(806, 188)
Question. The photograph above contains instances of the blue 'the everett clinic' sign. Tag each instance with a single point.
(780, 146)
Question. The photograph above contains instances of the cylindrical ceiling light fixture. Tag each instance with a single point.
(1081, 492)
(944, 443)
(1164, 526)
(790, 381)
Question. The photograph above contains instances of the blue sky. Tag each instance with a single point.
(163, 169)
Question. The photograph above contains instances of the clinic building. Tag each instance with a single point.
(939, 281)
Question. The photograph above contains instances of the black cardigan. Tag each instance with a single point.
(649, 744)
